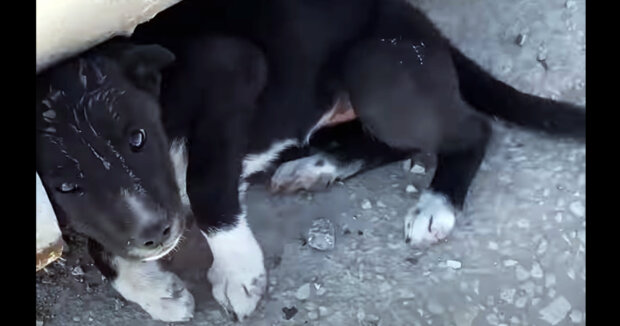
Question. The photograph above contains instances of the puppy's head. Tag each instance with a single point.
(102, 152)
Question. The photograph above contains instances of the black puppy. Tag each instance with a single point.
(230, 107)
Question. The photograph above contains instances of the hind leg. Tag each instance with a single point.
(336, 153)
(409, 103)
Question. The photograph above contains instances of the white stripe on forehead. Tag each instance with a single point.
(137, 206)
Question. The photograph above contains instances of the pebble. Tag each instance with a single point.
(576, 316)
(521, 273)
(289, 312)
(521, 302)
(77, 271)
(492, 319)
(536, 271)
(549, 280)
(577, 208)
(321, 291)
(510, 262)
(454, 264)
(381, 204)
(39, 323)
(321, 235)
(417, 169)
(322, 311)
(523, 223)
(76, 318)
(508, 295)
(542, 247)
(435, 308)
(366, 204)
(555, 311)
(520, 39)
(303, 292)
(411, 189)
(493, 245)
(313, 315)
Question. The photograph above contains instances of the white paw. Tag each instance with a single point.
(430, 221)
(160, 293)
(238, 273)
(309, 173)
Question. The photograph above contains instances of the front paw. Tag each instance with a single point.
(309, 173)
(160, 293)
(430, 220)
(238, 273)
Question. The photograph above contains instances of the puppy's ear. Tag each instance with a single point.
(143, 63)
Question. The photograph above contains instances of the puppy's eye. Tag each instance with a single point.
(67, 187)
(137, 139)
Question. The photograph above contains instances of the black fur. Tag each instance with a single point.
(251, 72)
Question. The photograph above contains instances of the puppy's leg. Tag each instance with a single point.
(405, 92)
(433, 217)
(228, 74)
(338, 153)
(160, 293)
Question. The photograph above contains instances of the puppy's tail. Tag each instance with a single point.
(493, 97)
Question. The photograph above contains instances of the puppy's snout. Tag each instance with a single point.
(153, 236)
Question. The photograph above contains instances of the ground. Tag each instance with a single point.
(516, 256)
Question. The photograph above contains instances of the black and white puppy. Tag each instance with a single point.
(106, 163)
(253, 79)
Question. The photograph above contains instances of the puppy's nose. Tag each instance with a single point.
(153, 236)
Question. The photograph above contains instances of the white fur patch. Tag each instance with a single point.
(311, 173)
(160, 293)
(253, 163)
(238, 273)
(137, 207)
(178, 155)
(430, 220)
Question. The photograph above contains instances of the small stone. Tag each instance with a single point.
(493, 245)
(492, 319)
(536, 271)
(321, 291)
(381, 204)
(521, 273)
(542, 247)
(549, 280)
(569, 4)
(576, 316)
(323, 311)
(366, 204)
(321, 235)
(577, 208)
(411, 189)
(312, 315)
(289, 312)
(370, 320)
(435, 308)
(510, 262)
(507, 295)
(454, 264)
(118, 305)
(523, 223)
(521, 302)
(417, 169)
(555, 311)
(39, 323)
(77, 271)
(303, 292)
(520, 39)
(76, 318)
(407, 164)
